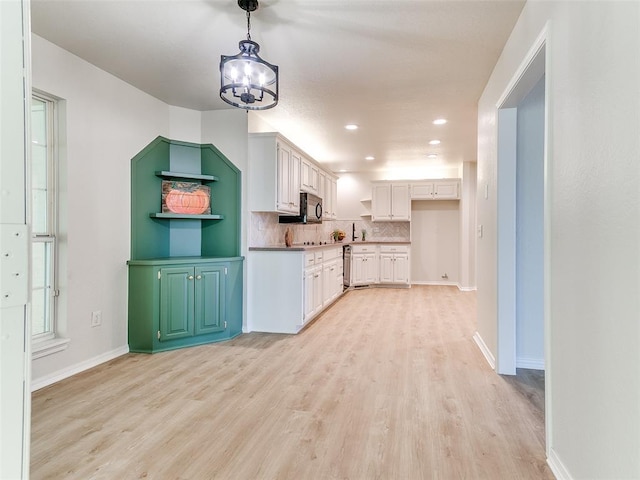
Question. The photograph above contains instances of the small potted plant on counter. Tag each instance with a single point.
(338, 235)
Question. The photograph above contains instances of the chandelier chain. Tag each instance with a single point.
(248, 25)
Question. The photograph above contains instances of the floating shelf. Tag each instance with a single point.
(365, 214)
(189, 176)
(186, 216)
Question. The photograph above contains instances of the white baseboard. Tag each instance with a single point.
(466, 289)
(446, 284)
(37, 384)
(530, 363)
(485, 350)
(557, 467)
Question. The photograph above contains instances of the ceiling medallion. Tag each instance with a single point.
(246, 80)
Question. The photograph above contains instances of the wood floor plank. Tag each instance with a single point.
(386, 384)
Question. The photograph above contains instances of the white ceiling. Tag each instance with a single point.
(391, 67)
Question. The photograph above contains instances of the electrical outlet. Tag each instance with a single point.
(96, 318)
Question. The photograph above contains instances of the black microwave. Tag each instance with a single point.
(310, 210)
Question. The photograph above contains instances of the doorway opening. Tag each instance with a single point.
(522, 345)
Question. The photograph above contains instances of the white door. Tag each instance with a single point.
(15, 330)
(381, 202)
(371, 268)
(309, 290)
(294, 182)
(401, 268)
(357, 269)
(447, 190)
(422, 191)
(386, 268)
(328, 277)
(400, 202)
(284, 182)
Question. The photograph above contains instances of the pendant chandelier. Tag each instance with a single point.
(246, 80)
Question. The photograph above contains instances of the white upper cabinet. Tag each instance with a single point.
(390, 202)
(278, 172)
(445, 189)
(309, 176)
(274, 174)
(288, 187)
(322, 180)
(331, 197)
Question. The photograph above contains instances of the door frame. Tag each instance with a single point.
(535, 64)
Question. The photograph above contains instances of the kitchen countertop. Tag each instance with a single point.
(298, 247)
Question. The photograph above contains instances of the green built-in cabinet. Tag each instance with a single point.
(181, 302)
(185, 272)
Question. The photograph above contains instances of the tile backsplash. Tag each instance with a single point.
(266, 231)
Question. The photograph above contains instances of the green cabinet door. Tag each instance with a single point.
(181, 302)
(210, 305)
(176, 303)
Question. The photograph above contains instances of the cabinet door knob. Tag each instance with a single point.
(190, 277)
(198, 277)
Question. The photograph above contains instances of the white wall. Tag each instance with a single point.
(468, 227)
(185, 124)
(593, 188)
(107, 122)
(435, 242)
(352, 189)
(530, 229)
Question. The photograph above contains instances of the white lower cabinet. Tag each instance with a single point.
(364, 264)
(364, 268)
(332, 281)
(394, 264)
(312, 292)
(379, 264)
(289, 288)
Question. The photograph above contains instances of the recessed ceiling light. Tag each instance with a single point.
(440, 121)
(432, 155)
(351, 126)
(434, 142)
(370, 157)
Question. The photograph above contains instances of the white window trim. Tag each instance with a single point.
(49, 343)
(42, 348)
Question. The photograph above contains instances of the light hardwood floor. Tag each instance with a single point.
(386, 384)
